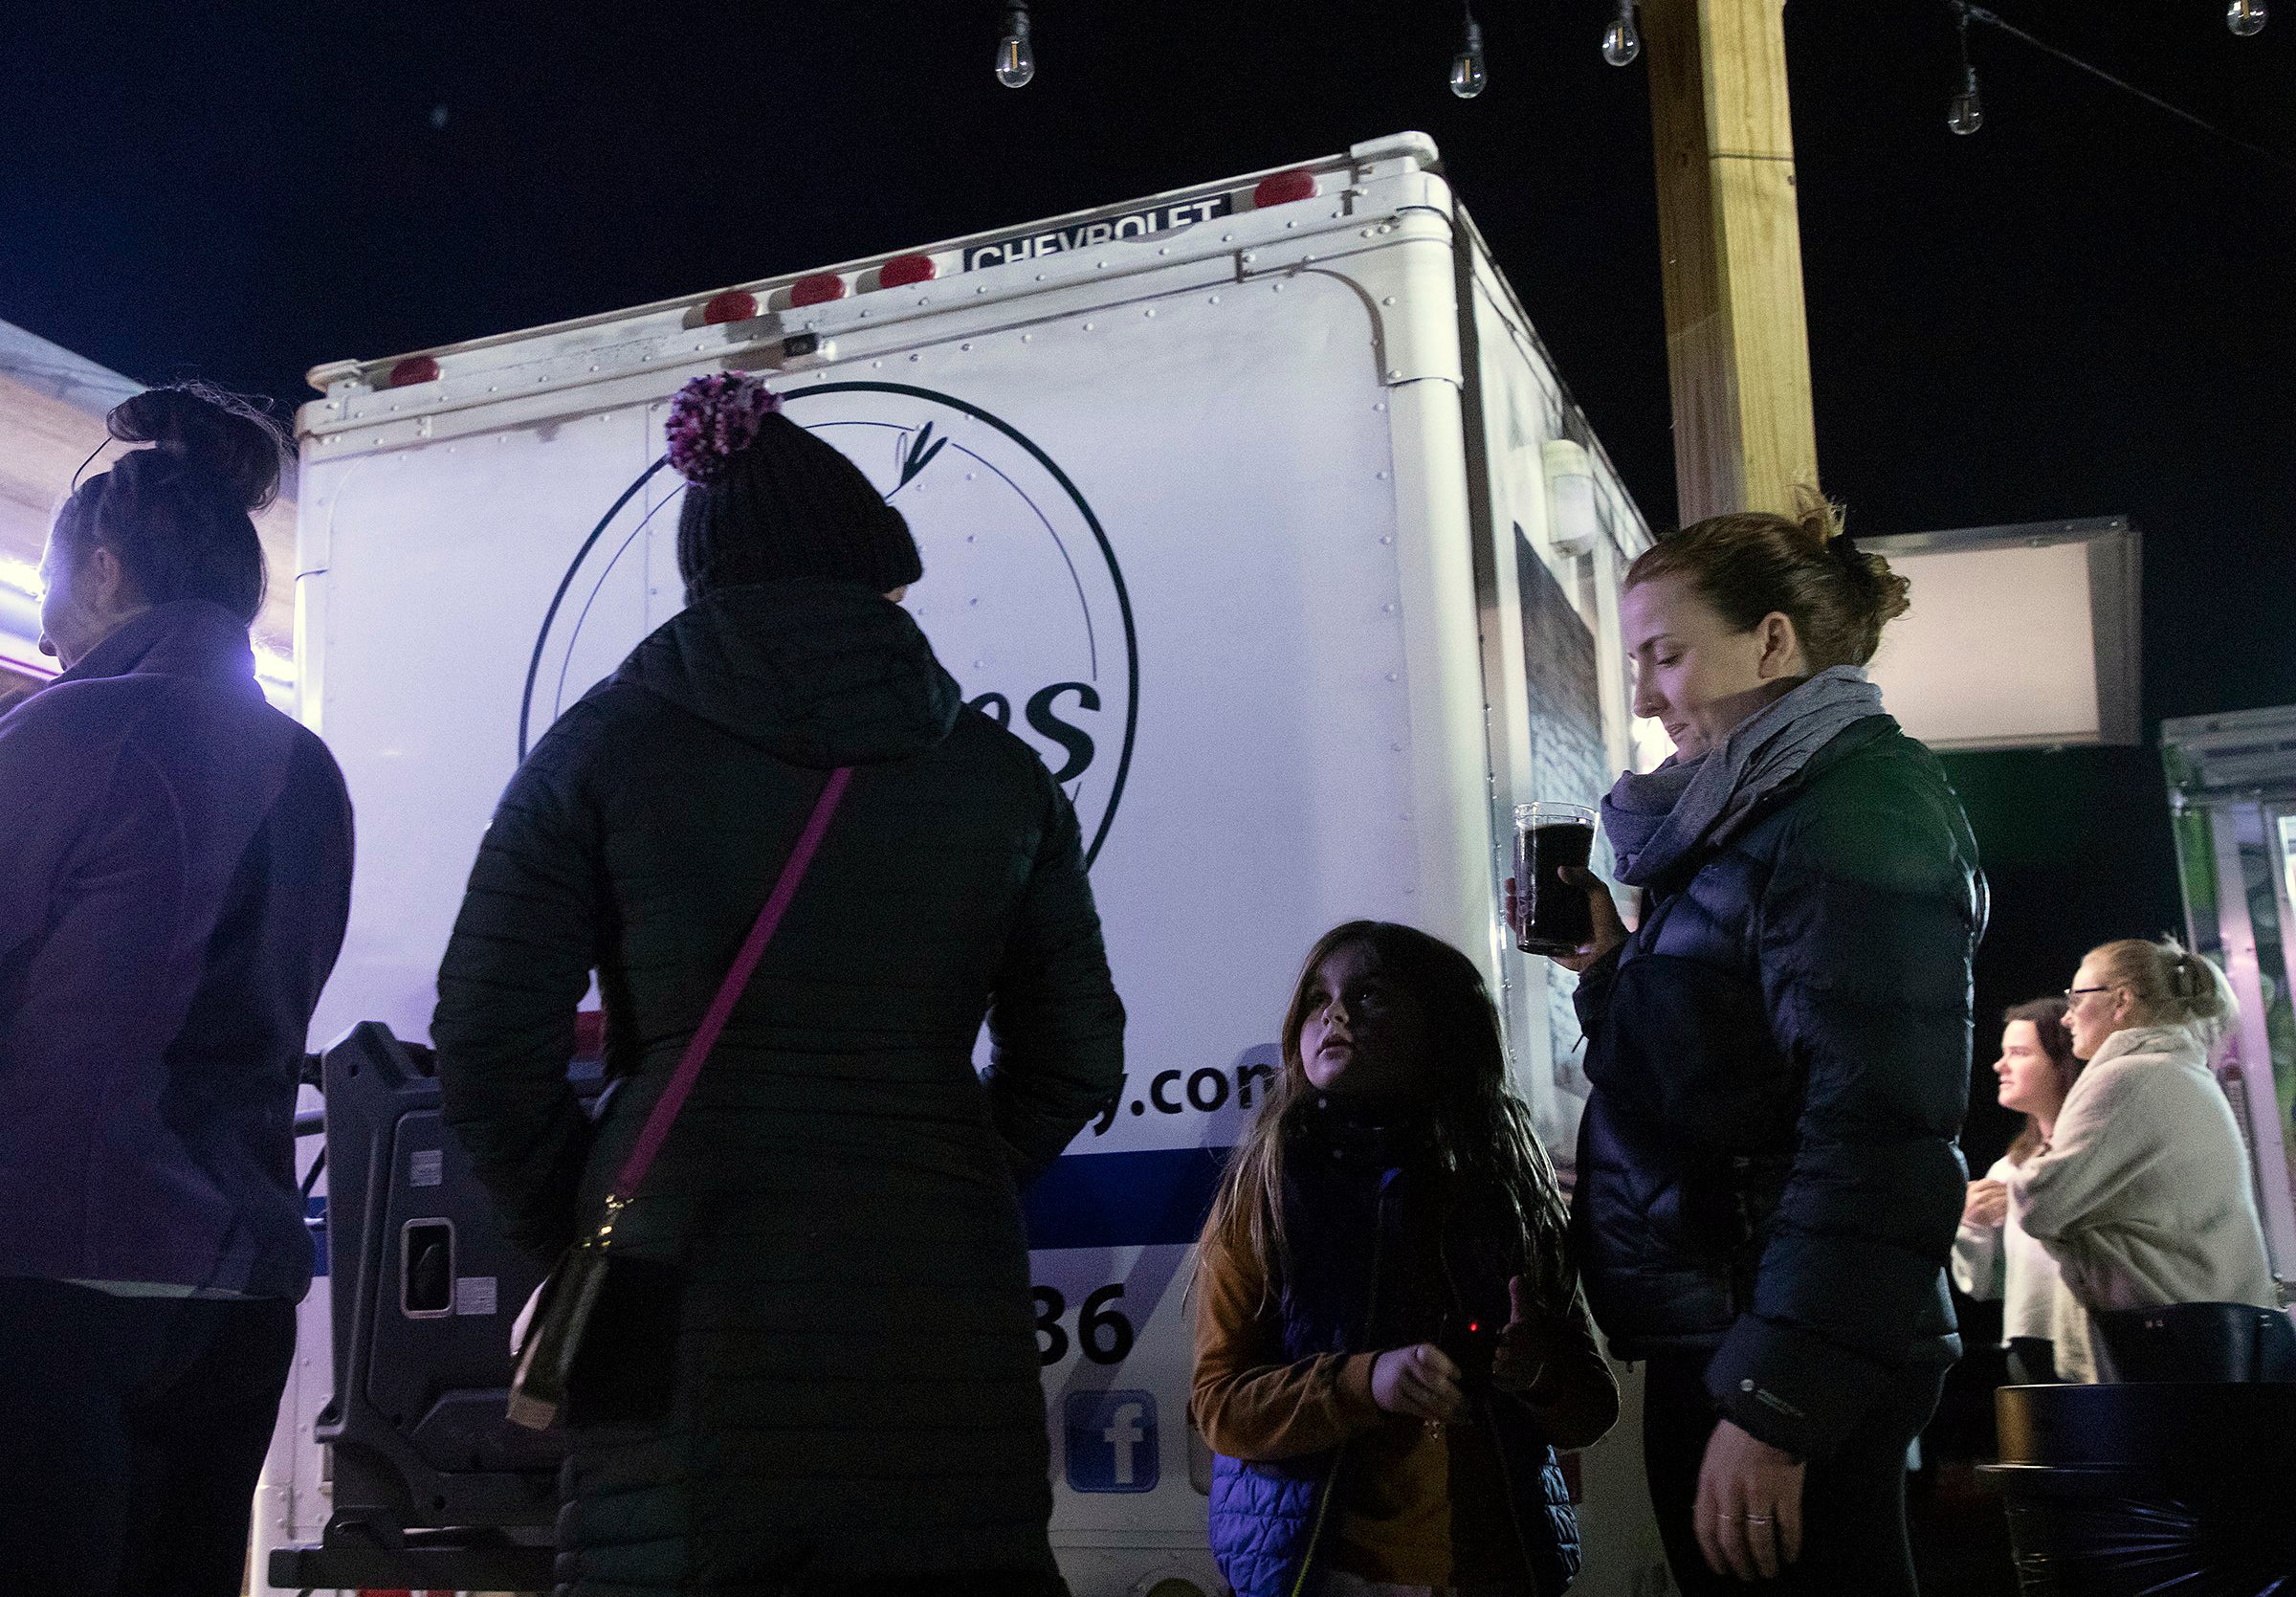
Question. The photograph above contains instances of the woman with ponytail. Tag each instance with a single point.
(175, 861)
(1767, 1186)
(2141, 1190)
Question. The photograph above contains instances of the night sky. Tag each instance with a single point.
(2085, 309)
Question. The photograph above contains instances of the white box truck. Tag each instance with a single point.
(1256, 507)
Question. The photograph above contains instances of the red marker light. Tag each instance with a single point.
(735, 305)
(1282, 188)
(1473, 1327)
(817, 290)
(416, 368)
(903, 270)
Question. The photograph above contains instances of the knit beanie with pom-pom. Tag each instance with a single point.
(767, 501)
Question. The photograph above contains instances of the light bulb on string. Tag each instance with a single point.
(1016, 56)
(2245, 17)
(1622, 40)
(1965, 113)
(1468, 77)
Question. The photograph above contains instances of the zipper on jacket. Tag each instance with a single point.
(1330, 1476)
(1490, 1404)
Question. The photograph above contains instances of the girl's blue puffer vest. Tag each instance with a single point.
(1347, 1191)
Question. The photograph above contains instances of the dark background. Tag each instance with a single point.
(2083, 310)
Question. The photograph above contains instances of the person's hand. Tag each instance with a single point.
(1609, 930)
(1747, 1516)
(1988, 1204)
(1526, 1341)
(1420, 1380)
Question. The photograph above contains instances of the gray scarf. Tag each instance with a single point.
(1654, 821)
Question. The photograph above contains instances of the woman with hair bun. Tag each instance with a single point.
(175, 861)
(1768, 1184)
(1993, 1256)
(2141, 1190)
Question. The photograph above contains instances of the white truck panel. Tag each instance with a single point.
(1203, 520)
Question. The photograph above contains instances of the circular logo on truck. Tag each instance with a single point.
(1022, 597)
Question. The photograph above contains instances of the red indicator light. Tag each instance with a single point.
(416, 368)
(1473, 1327)
(818, 290)
(735, 305)
(1282, 188)
(902, 270)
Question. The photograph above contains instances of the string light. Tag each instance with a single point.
(1966, 113)
(1468, 77)
(1966, 13)
(1622, 40)
(1016, 54)
(2245, 18)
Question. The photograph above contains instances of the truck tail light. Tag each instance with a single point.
(817, 290)
(903, 270)
(1282, 188)
(735, 305)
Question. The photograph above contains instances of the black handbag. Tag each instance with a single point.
(565, 1306)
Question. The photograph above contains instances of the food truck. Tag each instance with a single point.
(1258, 508)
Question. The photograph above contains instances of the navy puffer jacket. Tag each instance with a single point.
(1780, 1054)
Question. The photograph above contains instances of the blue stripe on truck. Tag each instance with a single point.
(1123, 1200)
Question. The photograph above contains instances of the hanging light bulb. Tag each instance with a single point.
(1468, 78)
(1016, 58)
(1622, 41)
(2245, 17)
(1965, 113)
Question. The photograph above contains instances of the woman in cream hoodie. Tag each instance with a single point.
(2142, 1192)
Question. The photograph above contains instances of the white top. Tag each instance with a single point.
(2142, 1192)
(2002, 1261)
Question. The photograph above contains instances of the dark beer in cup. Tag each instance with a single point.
(1554, 915)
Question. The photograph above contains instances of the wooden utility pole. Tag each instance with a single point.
(1738, 342)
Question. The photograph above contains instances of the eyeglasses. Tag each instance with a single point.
(2074, 995)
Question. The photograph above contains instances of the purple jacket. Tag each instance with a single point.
(175, 872)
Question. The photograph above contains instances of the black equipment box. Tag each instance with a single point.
(424, 1293)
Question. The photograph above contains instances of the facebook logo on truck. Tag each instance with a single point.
(1112, 1441)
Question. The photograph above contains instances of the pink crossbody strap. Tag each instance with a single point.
(722, 1007)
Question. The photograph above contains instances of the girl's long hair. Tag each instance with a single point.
(1482, 1132)
(2047, 1015)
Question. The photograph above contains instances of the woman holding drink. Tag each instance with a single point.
(1767, 1186)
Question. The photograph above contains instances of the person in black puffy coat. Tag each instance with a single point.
(1768, 1183)
(832, 1384)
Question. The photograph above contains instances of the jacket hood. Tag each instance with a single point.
(819, 674)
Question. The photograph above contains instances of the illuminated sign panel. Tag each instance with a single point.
(2019, 638)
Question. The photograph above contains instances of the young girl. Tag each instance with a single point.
(1389, 1338)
